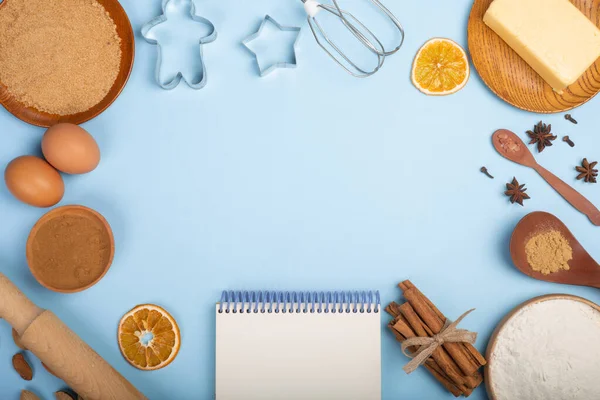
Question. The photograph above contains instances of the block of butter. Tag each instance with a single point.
(552, 36)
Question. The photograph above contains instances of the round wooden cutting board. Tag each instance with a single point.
(513, 80)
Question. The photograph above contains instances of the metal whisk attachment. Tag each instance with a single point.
(363, 34)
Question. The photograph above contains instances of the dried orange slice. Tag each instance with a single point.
(440, 67)
(149, 337)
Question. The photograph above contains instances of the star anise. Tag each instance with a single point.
(587, 171)
(516, 192)
(541, 135)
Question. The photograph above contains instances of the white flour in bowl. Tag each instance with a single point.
(548, 351)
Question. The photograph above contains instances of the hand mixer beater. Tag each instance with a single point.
(363, 34)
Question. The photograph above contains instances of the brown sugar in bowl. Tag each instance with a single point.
(70, 249)
(44, 119)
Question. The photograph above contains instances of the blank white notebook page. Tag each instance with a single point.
(298, 356)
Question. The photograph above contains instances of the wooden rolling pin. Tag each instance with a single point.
(67, 356)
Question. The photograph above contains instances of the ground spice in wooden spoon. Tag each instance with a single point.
(548, 252)
(70, 249)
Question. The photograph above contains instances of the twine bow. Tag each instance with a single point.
(448, 334)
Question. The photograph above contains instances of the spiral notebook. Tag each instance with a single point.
(298, 346)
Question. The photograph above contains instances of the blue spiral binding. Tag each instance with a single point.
(246, 302)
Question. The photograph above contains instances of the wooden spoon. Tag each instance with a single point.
(510, 146)
(584, 270)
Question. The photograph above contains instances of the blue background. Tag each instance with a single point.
(305, 179)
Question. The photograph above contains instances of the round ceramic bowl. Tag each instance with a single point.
(44, 119)
(32, 248)
(493, 339)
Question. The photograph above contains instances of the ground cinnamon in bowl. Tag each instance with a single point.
(70, 249)
(61, 56)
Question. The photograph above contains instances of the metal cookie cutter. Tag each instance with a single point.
(207, 39)
(283, 64)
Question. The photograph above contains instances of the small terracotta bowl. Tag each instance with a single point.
(89, 279)
(44, 119)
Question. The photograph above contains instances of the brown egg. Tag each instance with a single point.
(34, 181)
(70, 149)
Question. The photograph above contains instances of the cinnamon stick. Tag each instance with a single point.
(409, 285)
(473, 353)
(446, 362)
(430, 364)
(447, 383)
(412, 317)
(392, 309)
(459, 353)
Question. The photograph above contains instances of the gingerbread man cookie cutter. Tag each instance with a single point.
(211, 37)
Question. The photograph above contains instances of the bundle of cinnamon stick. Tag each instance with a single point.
(454, 365)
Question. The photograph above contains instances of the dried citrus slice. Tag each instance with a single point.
(440, 67)
(149, 337)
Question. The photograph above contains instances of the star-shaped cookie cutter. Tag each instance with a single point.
(210, 38)
(282, 64)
